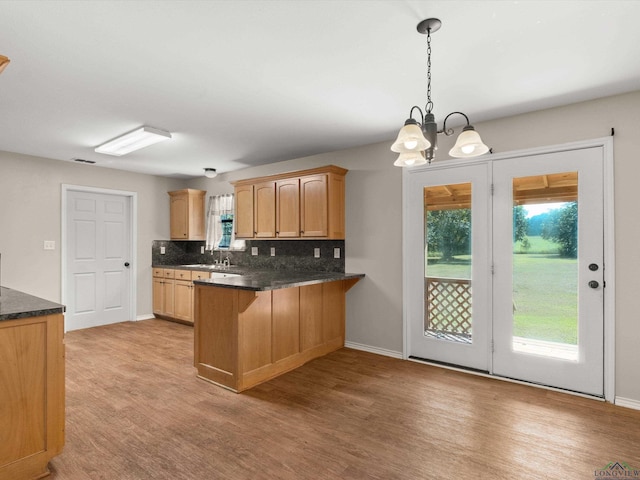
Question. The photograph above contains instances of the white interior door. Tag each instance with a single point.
(448, 299)
(548, 306)
(98, 257)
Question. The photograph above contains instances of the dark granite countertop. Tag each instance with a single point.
(259, 281)
(15, 304)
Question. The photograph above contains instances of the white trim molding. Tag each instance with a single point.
(370, 349)
(627, 402)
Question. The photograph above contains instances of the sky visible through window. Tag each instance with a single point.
(537, 209)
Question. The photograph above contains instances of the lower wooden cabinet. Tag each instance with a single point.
(31, 395)
(173, 294)
(243, 338)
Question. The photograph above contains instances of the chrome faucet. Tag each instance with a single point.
(226, 261)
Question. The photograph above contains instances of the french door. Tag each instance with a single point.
(507, 267)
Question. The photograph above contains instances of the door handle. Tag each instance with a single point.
(126, 264)
(594, 284)
(593, 267)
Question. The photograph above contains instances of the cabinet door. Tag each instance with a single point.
(183, 300)
(179, 213)
(288, 208)
(244, 211)
(168, 288)
(264, 195)
(313, 206)
(158, 295)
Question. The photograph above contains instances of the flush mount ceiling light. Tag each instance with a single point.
(210, 172)
(140, 138)
(4, 61)
(417, 141)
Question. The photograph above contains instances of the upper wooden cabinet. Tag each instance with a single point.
(303, 204)
(187, 214)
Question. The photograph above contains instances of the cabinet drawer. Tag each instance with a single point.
(158, 272)
(196, 275)
(182, 275)
(169, 273)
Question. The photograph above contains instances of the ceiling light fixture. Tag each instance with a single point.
(210, 172)
(4, 61)
(140, 138)
(417, 141)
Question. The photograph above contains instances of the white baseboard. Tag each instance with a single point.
(148, 316)
(628, 402)
(370, 349)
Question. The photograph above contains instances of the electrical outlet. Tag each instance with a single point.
(254, 251)
(202, 249)
(316, 253)
(336, 252)
(163, 250)
(273, 251)
(49, 245)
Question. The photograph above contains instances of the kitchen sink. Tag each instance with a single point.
(223, 275)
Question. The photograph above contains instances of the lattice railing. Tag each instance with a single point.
(448, 305)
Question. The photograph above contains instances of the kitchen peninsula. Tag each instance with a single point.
(31, 384)
(252, 328)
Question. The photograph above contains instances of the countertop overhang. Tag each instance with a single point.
(15, 304)
(260, 281)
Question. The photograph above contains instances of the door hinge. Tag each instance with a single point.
(492, 188)
(492, 347)
(493, 270)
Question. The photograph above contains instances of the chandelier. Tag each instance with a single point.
(417, 140)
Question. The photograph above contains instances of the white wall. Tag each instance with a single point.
(30, 212)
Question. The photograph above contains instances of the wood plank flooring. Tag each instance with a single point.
(135, 410)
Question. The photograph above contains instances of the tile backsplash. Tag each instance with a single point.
(289, 254)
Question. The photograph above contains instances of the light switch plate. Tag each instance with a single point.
(254, 251)
(202, 249)
(273, 251)
(336, 252)
(49, 245)
(163, 250)
(316, 253)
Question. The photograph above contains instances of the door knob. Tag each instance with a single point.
(593, 267)
(126, 264)
(594, 284)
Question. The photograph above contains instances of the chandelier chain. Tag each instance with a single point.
(429, 106)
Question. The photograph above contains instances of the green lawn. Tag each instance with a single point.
(544, 296)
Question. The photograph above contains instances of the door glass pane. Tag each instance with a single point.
(447, 244)
(545, 265)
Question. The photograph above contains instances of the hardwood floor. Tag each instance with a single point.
(135, 410)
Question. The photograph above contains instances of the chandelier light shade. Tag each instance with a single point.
(210, 173)
(410, 138)
(410, 159)
(135, 140)
(468, 144)
(4, 61)
(417, 141)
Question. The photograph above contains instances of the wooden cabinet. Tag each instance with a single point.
(244, 211)
(187, 214)
(243, 338)
(264, 210)
(288, 208)
(173, 293)
(303, 204)
(183, 296)
(31, 395)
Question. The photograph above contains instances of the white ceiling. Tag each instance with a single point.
(241, 83)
